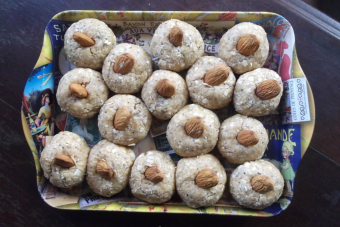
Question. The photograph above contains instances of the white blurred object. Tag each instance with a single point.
(64, 64)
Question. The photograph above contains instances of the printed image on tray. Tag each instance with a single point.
(86, 128)
(42, 112)
(38, 104)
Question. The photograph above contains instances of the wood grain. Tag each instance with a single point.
(317, 197)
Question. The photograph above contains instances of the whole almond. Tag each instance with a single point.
(206, 178)
(153, 174)
(194, 127)
(268, 89)
(247, 138)
(83, 39)
(262, 184)
(248, 44)
(176, 36)
(124, 63)
(78, 90)
(64, 161)
(216, 75)
(104, 170)
(165, 88)
(122, 118)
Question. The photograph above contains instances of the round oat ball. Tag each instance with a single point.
(242, 139)
(82, 92)
(165, 93)
(177, 44)
(88, 42)
(124, 120)
(200, 181)
(258, 93)
(108, 168)
(244, 47)
(211, 82)
(63, 160)
(126, 68)
(153, 177)
(257, 184)
(193, 131)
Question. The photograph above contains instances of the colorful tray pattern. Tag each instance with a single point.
(48, 70)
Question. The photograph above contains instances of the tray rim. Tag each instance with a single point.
(297, 73)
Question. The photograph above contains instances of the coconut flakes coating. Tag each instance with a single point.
(186, 172)
(245, 100)
(72, 145)
(242, 191)
(96, 89)
(138, 126)
(229, 146)
(240, 63)
(146, 190)
(161, 107)
(211, 97)
(133, 81)
(183, 144)
(181, 57)
(93, 56)
(119, 158)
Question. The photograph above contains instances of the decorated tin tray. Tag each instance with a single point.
(291, 127)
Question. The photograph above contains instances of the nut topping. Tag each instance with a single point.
(216, 75)
(122, 118)
(78, 90)
(124, 63)
(248, 44)
(206, 178)
(194, 127)
(83, 39)
(176, 36)
(64, 161)
(165, 88)
(262, 184)
(104, 170)
(153, 174)
(268, 89)
(247, 138)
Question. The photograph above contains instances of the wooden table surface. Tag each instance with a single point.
(316, 199)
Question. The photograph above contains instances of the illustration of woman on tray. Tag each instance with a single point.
(287, 169)
(38, 108)
(45, 113)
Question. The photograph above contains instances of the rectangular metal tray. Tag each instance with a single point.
(137, 27)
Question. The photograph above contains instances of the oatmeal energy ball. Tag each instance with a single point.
(193, 131)
(244, 47)
(126, 68)
(258, 93)
(153, 177)
(200, 181)
(165, 93)
(242, 139)
(124, 120)
(211, 82)
(88, 42)
(177, 44)
(256, 184)
(108, 168)
(64, 159)
(82, 92)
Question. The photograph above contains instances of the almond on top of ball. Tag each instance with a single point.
(211, 82)
(193, 131)
(165, 93)
(244, 47)
(258, 92)
(152, 177)
(242, 139)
